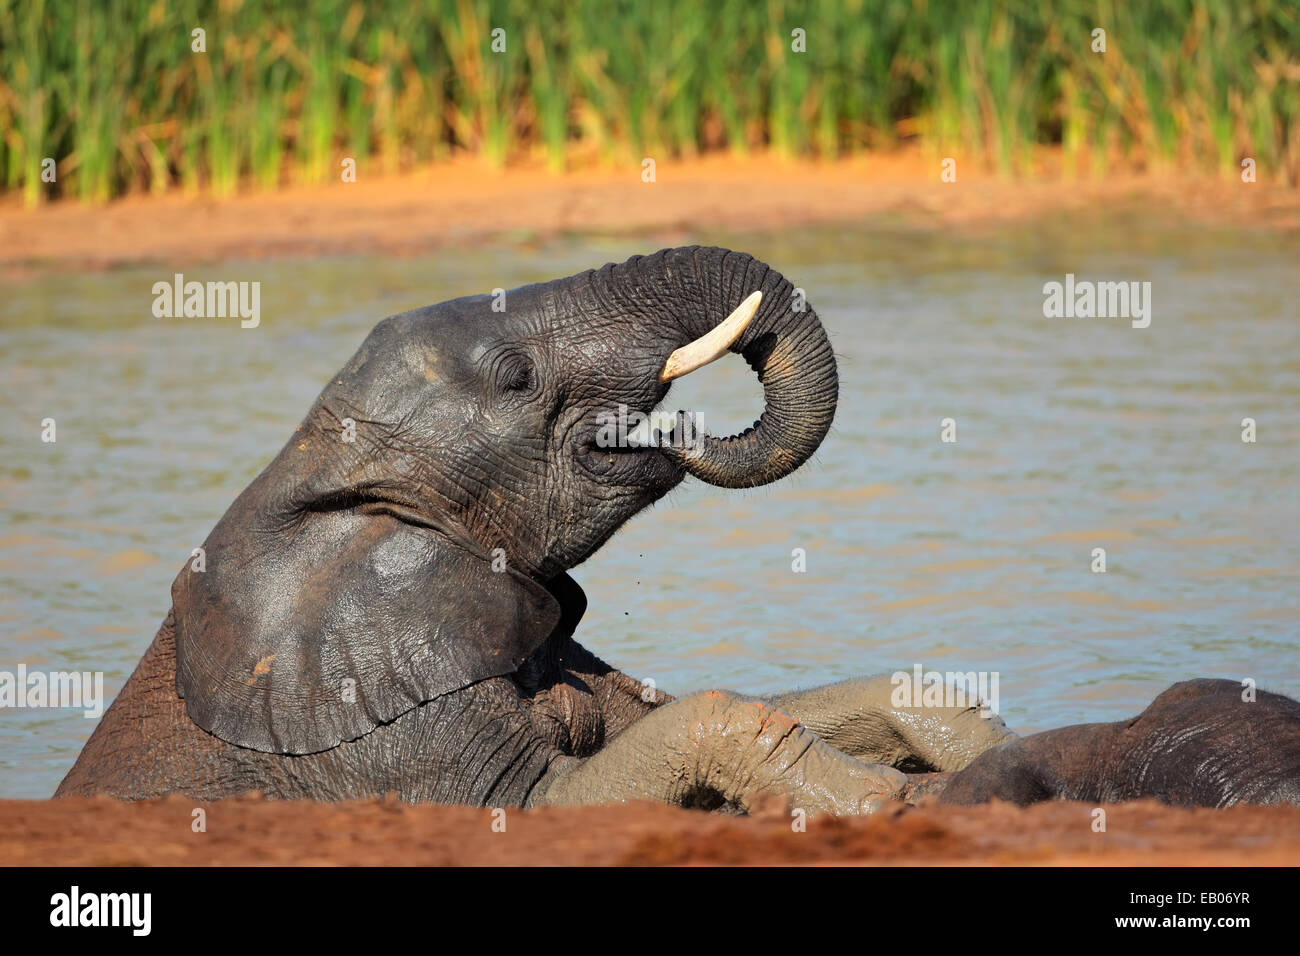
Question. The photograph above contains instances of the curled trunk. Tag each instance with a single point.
(785, 344)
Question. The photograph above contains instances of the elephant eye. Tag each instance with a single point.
(515, 373)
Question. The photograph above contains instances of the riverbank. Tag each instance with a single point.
(463, 202)
(252, 831)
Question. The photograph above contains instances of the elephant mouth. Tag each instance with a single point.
(631, 447)
(653, 443)
(665, 431)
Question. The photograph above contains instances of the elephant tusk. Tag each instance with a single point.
(712, 345)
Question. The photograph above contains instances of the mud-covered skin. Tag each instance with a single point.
(858, 717)
(1197, 745)
(835, 749)
(719, 750)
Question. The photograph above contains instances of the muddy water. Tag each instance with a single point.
(1072, 434)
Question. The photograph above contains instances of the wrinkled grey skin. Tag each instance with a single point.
(355, 631)
(1198, 744)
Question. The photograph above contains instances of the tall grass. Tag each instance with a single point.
(112, 91)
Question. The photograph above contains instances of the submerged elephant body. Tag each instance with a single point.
(1198, 744)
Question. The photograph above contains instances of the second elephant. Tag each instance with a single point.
(1202, 743)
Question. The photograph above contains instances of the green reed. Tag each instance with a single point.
(112, 91)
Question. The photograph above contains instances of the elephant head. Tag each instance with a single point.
(412, 536)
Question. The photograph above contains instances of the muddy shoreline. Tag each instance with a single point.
(462, 202)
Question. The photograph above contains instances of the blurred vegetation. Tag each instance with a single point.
(112, 90)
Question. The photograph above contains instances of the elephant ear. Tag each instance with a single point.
(294, 640)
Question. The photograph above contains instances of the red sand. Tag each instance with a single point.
(253, 831)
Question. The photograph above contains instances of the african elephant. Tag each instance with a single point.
(1198, 744)
(392, 613)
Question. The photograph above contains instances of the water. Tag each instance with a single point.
(1072, 434)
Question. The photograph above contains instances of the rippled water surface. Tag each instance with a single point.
(1073, 434)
